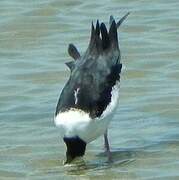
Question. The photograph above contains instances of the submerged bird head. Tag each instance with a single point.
(75, 148)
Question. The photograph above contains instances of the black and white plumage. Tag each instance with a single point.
(91, 94)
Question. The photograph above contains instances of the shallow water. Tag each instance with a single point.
(144, 134)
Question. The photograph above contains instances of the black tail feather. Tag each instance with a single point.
(113, 35)
(122, 19)
(105, 36)
(103, 41)
(73, 52)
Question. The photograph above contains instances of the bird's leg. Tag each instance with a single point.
(106, 146)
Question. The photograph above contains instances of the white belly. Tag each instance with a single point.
(78, 123)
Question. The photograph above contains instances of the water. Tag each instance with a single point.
(144, 134)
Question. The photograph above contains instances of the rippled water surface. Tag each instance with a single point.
(144, 134)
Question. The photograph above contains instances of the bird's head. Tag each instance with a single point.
(75, 148)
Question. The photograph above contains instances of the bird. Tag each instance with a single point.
(90, 97)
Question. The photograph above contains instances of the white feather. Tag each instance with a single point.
(76, 122)
(76, 95)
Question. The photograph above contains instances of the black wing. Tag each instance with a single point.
(92, 97)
